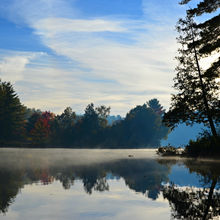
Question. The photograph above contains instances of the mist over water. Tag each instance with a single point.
(62, 157)
(103, 184)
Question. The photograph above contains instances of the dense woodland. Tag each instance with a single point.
(20, 126)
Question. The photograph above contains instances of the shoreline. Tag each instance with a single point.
(180, 152)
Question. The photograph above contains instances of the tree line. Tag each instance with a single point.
(19, 125)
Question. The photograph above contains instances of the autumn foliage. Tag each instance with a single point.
(41, 131)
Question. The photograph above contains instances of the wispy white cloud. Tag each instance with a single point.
(136, 67)
(53, 89)
(11, 68)
(117, 62)
(53, 26)
(13, 64)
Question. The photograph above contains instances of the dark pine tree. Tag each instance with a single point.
(11, 113)
(197, 99)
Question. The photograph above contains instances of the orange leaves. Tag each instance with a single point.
(41, 131)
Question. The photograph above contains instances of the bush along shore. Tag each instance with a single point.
(204, 146)
(170, 151)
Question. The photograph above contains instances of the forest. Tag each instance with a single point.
(24, 127)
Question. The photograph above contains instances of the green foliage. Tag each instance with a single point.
(103, 112)
(208, 42)
(32, 120)
(201, 146)
(11, 114)
(89, 130)
(62, 127)
(141, 127)
(30, 111)
(196, 42)
(156, 106)
(205, 6)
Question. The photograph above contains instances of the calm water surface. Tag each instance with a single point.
(106, 184)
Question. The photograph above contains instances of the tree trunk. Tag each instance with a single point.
(211, 123)
(209, 201)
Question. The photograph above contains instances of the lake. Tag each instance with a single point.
(43, 184)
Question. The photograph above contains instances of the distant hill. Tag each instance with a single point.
(182, 134)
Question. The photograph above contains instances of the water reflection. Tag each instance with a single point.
(192, 203)
(10, 183)
(196, 202)
(141, 175)
(144, 174)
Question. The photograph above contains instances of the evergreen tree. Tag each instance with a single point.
(198, 96)
(11, 113)
(208, 42)
(141, 127)
(63, 126)
(156, 106)
(103, 112)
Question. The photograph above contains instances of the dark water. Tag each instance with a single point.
(106, 184)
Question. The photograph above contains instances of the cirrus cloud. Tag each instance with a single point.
(108, 60)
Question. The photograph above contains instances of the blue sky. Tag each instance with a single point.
(60, 53)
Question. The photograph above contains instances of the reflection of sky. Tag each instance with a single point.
(126, 177)
(53, 202)
(181, 177)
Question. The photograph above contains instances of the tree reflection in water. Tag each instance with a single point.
(141, 175)
(10, 183)
(193, 202)
(145, 176)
